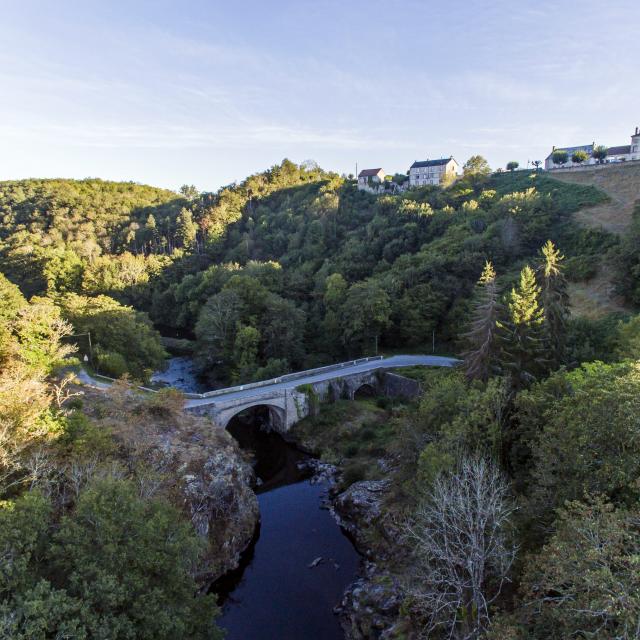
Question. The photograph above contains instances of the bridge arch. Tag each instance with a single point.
(277, 414)
(365, 390)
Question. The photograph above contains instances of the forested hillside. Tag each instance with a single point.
(291, 268)
(534, 439)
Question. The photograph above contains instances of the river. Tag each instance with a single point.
(300, 561)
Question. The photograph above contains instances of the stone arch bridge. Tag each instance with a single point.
(292, 397)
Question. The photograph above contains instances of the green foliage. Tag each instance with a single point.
(110, 363)
(365, 313)
(52, 230)
(476, 168)
(581, 268)
(522, 332)
(589, 340)
(560, 156)
(627, 262)
(512, 165)
(599, 153)
(245, 352)
(585, 581)
(628, 339)
(584, 434)
(124, 339)
(579, 156)
(479, 359)
(354, 433)
(116, 567)
(555, 300)
(186, 229)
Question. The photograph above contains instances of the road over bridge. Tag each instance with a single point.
(291, 397)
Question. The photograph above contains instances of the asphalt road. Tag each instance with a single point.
(392, 362)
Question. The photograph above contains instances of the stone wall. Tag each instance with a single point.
(397, 386)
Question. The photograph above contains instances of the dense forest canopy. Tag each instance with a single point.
(292, 267)
(534, 439)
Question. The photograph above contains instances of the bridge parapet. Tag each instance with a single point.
(285, 378)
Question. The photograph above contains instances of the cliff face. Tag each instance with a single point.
(216, 489)
(187, 460)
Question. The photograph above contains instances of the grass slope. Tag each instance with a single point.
(620, 182)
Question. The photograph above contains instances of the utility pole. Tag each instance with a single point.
(88, 334)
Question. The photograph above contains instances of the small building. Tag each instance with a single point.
(425, 172)
(614, 154)
(370, 179)
(587, 148)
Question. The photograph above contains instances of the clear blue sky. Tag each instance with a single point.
(207, 92)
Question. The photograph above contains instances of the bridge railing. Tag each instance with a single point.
(285, 378)
(262, 383)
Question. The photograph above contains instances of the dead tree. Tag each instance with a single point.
(463, 551)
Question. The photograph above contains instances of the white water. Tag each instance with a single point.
(180, 374)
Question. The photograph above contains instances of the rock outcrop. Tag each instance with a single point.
(189, 461)
(370, 606)
(359, 508)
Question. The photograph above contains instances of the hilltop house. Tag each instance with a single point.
(425, 172)
(370, 179)
(614, 154)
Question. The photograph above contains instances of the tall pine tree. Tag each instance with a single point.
(481, 337)
(555, 301)
(186, 229)
(522, 332)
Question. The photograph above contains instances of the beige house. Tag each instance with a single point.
(426, 172)
(370, 179)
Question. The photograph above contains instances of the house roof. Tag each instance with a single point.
(431, 163)
(369, 172)
(618, 151)
(588, 148)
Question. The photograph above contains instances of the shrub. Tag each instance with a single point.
(112, 364)
(354, 472)
(585, 435)
(166, 403)
(581, 268)
(585, 582)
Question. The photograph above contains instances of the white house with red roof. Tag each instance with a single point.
(370, 179)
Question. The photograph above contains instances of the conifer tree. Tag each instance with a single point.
(522, 332)
(555, 300)
(186, 229)
(481, 337)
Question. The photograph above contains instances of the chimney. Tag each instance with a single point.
(636, 131)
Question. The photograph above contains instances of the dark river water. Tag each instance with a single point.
(275, 594)
(281, 591)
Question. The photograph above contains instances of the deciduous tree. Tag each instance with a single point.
(463, 551)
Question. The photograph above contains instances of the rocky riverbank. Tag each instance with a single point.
(370, 606)
(188, 460)
(354, 437)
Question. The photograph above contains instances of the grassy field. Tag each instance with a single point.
(596, 297)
